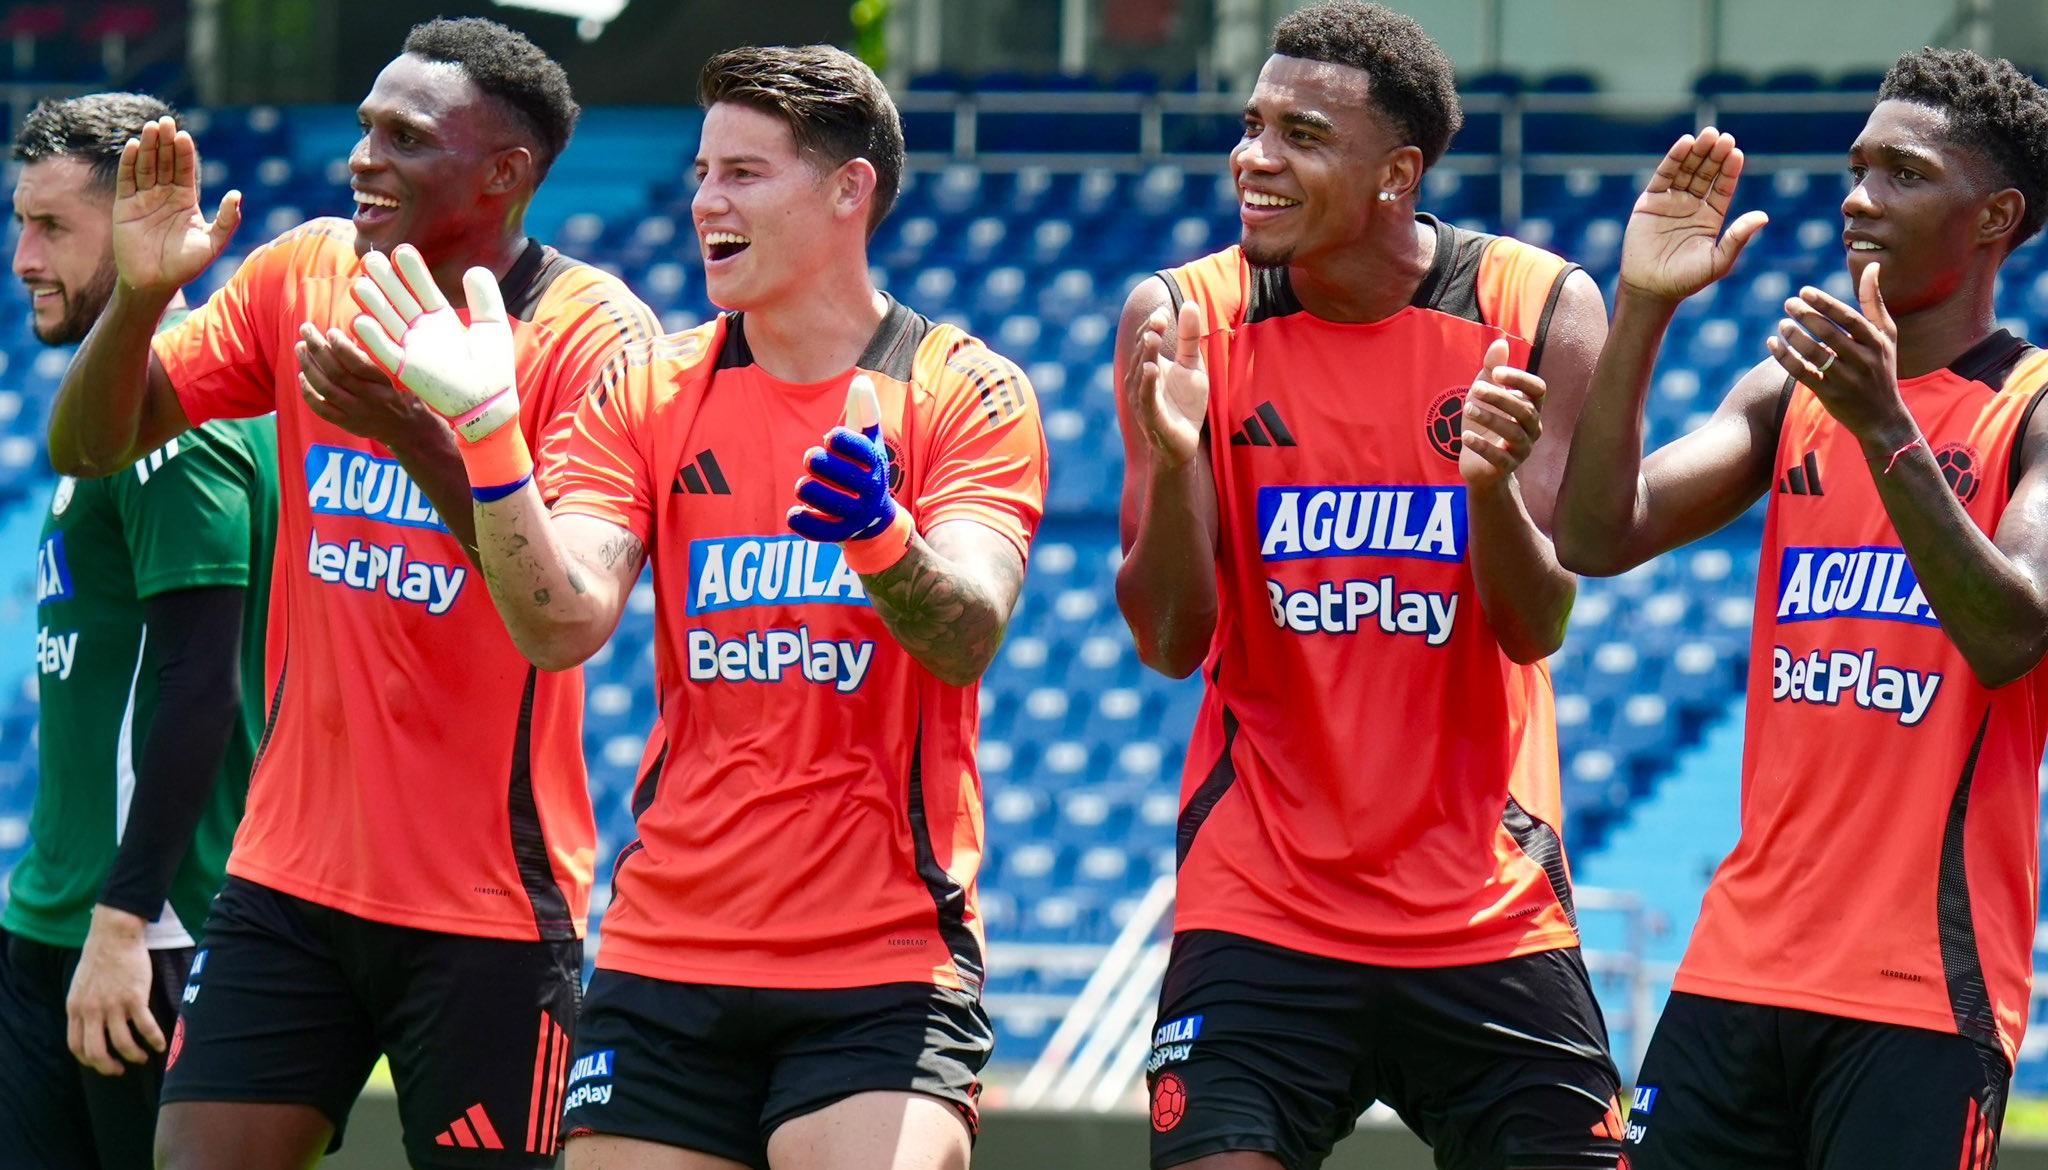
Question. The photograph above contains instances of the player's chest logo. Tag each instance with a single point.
(61, 498)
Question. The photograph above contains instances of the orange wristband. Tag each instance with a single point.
(496, 459)
(880, 552)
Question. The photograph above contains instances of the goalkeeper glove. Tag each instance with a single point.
(466, 374)
(845, 495)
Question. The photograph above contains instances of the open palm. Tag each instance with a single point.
(1675, 246)
(1173, 388)
(161, 238)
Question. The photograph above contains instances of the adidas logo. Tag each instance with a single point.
(471, 1131)
(1803, 480)
(702, 478)
(1273, 434)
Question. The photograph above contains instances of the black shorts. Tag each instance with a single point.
(718, 1069)
(55, 1111)
(292, 1002)
(1730, 1085)
(1498, 1066)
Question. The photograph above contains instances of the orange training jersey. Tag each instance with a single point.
(809, 812)
(1370, 778)
(415, 770)
(1888, 861)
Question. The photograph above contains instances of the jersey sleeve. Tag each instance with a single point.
(988, 459)
(602, 467)
(593, 326)
(187, 511)
(221, 358)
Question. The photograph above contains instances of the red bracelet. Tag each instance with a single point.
(1918, 441)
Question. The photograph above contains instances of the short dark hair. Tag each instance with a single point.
(510, 68)
(1413, 83)
(91, 129)
(836, 108)
(1991, 107)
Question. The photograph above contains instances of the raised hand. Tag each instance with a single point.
(465, 373)
(1501, 420)
(1675, 246)
(1171, 391)
(162, 240)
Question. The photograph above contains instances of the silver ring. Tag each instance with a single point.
(1823, 370)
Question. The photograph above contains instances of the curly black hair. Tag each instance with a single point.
(836, 108)
(1992, 107)
(504, 64)
(91, 129)
(1413, 83)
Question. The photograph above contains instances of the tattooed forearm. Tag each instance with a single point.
(624, 545)
(949, 618)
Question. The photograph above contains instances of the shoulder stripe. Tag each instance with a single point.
(994, 378)
(1542, 337)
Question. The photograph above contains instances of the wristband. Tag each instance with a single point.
(497, 459)
(491, 495)
(1918, 441)
(880, 552)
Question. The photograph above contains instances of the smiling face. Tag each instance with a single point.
(433, 151)
(764, 211)
(1314, 157)
(1923, 205)
(65, 253)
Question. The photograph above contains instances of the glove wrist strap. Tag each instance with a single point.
(497, 459)
(880, 552)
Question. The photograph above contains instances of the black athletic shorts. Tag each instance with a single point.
(1742, 1086)
(54, 1111)
(718, 1069)
(1498, 1066)
(292, 1002)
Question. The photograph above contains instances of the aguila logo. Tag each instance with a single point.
(1958, 463)
(1445, 422)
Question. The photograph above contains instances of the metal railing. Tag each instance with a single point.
(1157, 115)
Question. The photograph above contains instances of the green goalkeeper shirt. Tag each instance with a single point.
(199, 512)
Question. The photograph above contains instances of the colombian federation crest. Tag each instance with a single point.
(61, 498)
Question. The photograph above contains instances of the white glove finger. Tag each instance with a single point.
(863, 408)
(418, 280)
(486, 303)
(378, 265)
(378, 342)
(375, 303)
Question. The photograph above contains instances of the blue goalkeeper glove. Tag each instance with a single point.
(846, 493)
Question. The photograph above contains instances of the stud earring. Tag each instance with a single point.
(1386, 197)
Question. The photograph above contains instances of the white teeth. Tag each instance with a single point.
(1864, 246)
(1261, 199)
(726, 238)
(368, 200)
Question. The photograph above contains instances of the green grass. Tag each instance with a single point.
(2027, 1117)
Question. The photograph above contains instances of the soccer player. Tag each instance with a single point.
(1342, 441)
(151, 587)
(412, 874)
(792, 960)
(1857, 986)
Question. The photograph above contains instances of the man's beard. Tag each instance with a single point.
(81, 308)
(1266, 257)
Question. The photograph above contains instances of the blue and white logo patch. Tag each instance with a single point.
(345, 482)
(53, 571)
(1173, 1042)
(739, 571)
(590, 1080)
(1873, 581)
(1424, 523)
